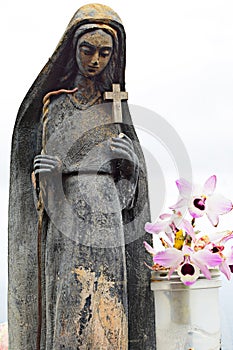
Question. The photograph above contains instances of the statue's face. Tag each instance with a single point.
(93, 52)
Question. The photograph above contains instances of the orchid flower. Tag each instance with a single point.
(169, 223)
(184, 250)
(203, 200)
(227, 258)
(187, 262)
(215, 243)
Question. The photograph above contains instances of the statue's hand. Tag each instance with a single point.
(126, 170)
(122, 149)
(45, 164)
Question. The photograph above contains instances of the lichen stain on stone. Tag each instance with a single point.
(86, 315)
(103, 322)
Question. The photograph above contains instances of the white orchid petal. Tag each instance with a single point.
(225, 269)
(218, 237)
(213, 217)
(218, 204)
(210, 185)
(184, 187)
(224, 236)
(180, 204)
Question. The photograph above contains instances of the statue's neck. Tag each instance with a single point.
(87, 89)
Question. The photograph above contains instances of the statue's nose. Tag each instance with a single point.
(95, 59)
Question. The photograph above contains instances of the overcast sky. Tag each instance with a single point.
(179, 65)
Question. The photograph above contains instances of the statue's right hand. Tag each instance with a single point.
(45, 164)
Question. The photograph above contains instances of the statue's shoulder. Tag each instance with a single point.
(60, 100)
(59, 105)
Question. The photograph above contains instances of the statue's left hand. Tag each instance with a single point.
(127, 169)
(122, 148)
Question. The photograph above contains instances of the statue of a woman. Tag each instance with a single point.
(76, 264)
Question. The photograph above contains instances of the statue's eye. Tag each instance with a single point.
(105, 52)
(87, 50)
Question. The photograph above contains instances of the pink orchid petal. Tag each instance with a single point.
(171, 257)
(189, 283)
(172, 269)
(207, 257)
(149, 248)
(184, 187)
(157, 227)
(180, 204)
(204, 259)
(225, 269)
(186, 225)
(204, 269)
(165, 216)
(210, 185)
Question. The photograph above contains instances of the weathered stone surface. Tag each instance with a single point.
(77, 278)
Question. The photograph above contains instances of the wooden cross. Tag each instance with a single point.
(116, 95)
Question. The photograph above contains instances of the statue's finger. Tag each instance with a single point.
(41, 157)
(44, 167)
(124, 137)
(124, 146)
(42, 171)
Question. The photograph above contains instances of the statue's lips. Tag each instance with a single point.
(93, 68)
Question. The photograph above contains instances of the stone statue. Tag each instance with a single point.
(79, 201)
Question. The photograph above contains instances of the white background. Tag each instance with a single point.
(179, 64)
